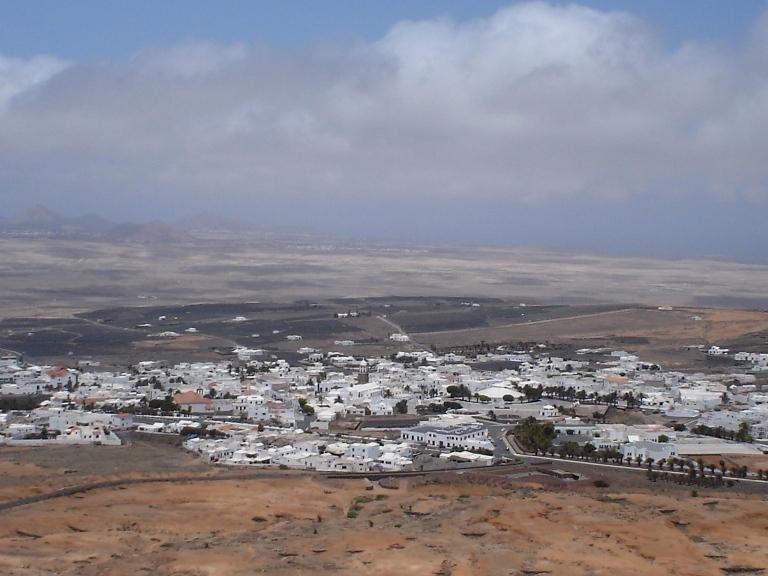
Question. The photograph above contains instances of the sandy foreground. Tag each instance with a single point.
(302, 525)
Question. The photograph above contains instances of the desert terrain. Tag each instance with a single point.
(44, 276)
(457, 525)
(66, 298)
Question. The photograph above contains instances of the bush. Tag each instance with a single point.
(600, 484)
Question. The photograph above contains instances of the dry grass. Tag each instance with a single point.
(459, 528)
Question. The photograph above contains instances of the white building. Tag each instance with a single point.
(446, 434)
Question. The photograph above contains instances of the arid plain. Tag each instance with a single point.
(49, 276)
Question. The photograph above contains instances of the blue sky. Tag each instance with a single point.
(616, 126)
(95, 29)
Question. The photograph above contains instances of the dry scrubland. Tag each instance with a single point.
(44, 282)
(42, 276)
(460, 527)
(656, 335)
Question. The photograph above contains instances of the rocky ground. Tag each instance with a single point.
(473, 524)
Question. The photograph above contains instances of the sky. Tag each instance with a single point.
(611, 126)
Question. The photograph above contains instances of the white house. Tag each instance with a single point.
(252, 406)
(442, 434)
(645, 450)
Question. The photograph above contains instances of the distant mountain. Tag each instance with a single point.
(38, 216)
(40, 220)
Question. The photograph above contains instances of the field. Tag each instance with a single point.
(450, 525)
(122, 335)
(663, 336)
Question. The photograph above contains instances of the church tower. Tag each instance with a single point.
(362, 374)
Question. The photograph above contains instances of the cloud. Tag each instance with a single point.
(191, 60)
(18, 75)
(534, 104)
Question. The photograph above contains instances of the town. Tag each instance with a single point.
(415, 410)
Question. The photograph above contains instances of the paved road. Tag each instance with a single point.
(9, 351)
(514, 450)
(497, 433)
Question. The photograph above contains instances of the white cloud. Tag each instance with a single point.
(192, 59)
(537, 103)
(18, 75)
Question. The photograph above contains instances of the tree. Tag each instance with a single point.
(663, 438)
(743, 435)
(401, 407)
(306, 408)
(589, 449)
(164, 405)
(532, 394)
(459, 391)
(535, 436)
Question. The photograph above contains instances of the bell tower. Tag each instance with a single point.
(363, 373)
